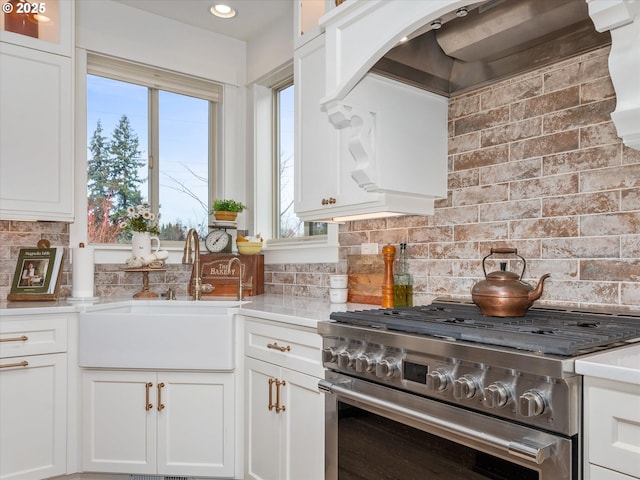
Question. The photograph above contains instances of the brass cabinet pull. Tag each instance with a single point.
(148, 406)
(23, 363)
(279, 408)
(160, 405)
(271, 382)
(328, 201)
(275, 346)
(22, 338)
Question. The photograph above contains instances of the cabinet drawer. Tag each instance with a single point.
(614, 426)
(33, 336)
(597, 473)
(288, 347)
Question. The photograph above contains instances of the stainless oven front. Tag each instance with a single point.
(382, 433)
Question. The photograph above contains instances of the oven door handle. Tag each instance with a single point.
(531, 451)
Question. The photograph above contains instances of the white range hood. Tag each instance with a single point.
(360, 32)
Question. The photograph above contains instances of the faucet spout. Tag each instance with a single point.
(240, 275)
(197, 287)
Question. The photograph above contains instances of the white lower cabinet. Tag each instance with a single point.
(284, 408)
(33, 416)
(33, 396)
(612, 427)
(167, 423)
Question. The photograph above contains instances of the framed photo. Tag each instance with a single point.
(37, 274)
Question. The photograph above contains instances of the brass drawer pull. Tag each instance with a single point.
(271, 382)
(23, 363)
(23, 338)
(279, 408)
(275, 346)
(160, 404)
(148, 406)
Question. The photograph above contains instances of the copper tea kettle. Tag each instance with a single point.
(502, 293)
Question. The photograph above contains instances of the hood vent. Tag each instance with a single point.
(494, 41)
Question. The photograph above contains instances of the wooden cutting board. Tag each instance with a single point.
(366, 274)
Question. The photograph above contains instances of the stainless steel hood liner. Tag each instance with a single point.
(494, 41)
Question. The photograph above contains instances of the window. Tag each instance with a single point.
(288, 225)
(150, 141)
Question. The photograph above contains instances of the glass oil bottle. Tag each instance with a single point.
(402, 281)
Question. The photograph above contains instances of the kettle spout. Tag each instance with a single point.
(537, 292)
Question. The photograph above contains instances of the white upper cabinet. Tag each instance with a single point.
(36, 110)
(36, 121)
(46, 25)
(381, 151)
(306, 18)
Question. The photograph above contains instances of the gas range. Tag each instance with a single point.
(516, 368)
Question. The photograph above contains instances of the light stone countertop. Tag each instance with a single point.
(303, 311)
(621, 364)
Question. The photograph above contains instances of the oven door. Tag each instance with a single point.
(376, 432)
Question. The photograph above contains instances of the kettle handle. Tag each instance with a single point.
(506, 250)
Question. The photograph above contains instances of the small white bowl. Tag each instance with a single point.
(338, 281)
(338, 295)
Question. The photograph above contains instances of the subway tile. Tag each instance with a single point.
(481, 231)
(464, 106)
(511, 132)
(480, 158)
(622, 223)
(609, 178)
(510, 210)
(506, 93)
(544, 186)
(572, 118)
(481, 194)
(600, 134)
(481, 120)
(547, 103)
(581, 160)
(544, 228)
(508, 172)
(581, 204)
(610, 270)
(545, 145)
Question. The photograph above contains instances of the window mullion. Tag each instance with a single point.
(154, 150)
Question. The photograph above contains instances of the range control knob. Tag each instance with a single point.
(496, 395)
(329, 355)
(438, 380)
(346, 359)
(465, 387)
(365, 363)
(386, 368)
(532, 403)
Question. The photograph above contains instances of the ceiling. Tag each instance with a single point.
(253, 16)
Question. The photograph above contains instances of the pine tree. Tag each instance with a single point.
(113, 179)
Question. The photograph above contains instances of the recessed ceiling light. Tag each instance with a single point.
(436, 24)
(223, 11)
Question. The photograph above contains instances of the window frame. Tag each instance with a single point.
(307, 249)
(156, 80)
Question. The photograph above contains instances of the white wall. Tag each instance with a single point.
(271, 49)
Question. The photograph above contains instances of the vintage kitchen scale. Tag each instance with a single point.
(218, 239)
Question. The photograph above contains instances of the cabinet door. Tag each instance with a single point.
(263, 437)
(33, 415)
(118, 422)
(303, 423)
(316, 145)
(36, 152)
(196, 425)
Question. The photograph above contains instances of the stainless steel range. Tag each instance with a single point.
(500, 393)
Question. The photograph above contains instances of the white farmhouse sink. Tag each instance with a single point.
(158, 334)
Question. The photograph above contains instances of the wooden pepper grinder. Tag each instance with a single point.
(389, 254)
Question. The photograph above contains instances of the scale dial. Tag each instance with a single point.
(218, 241)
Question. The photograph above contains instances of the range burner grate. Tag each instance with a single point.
(548, 331)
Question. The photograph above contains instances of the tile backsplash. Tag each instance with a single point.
(534, 163)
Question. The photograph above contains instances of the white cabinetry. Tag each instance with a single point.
(380, 151)
(36, 119)
(167, 423)
(33, 397)
(612, 426)
(285, 409)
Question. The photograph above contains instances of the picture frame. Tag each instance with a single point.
(38, 273)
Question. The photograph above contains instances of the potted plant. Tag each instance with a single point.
(227, 210)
